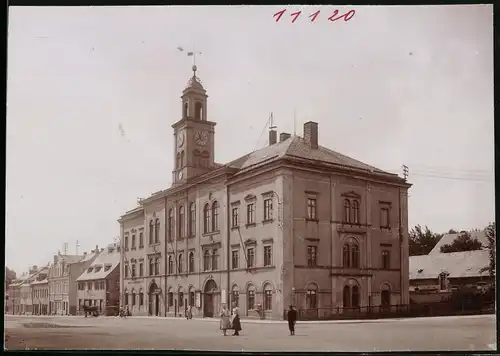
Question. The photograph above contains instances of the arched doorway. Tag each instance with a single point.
(153, 300)
(209, 298)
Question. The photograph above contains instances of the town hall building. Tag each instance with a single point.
(292, 223)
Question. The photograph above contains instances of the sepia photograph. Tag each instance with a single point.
(250, 178)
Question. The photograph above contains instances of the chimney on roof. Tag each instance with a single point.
(102, 249)
(273, 136)
(55, 259)
(284, 136)
(96, 248)
(311, 133)
(85, 253)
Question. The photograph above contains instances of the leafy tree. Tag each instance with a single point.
(490, 233)
(463, 242)
(10, 275)
(452, 231)
(422, 241)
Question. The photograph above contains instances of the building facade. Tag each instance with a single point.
(99, 284)
(14, 293)
(62, 281)
(40, 293)
(292, 223)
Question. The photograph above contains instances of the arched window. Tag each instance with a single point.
(181, 222)
(198, 111)
(151, 228)
(157, 230)
(215, 259)
(157, 265)
(268, 297)
(170, 297)
(151, 266)
(355, 296)
(185, 110)
(191, 262)
(355, 212)
(206, 260)
(192, 219)
(133, 297)
(125, 298)
(170, 264)
(346, 297)
(179, 268)
(170, 226)
(250, 297)
(385, 296)
(347, 209)
(206, 218)
(311, 296)
(191, 296)
(350, 254)
(180, 297)
(215, 216)
(235, 296)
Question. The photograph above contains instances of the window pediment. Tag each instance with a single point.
(268, 194)
(269, 240)
(250, 198)
(250, 242)
(236, 203)
(351, 194)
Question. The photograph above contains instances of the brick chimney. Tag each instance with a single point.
(311, 133)
(96, 248)
(284, 136)
(273, 137)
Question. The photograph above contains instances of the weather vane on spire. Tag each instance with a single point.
(191, 54)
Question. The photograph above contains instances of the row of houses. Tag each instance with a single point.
(67, 283)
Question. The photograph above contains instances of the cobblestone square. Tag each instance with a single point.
(467, 333)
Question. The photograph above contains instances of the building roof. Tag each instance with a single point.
(103, 265)
(296, 147)
(88, 256)
(447, 239)
(455, 264)
(43, 281)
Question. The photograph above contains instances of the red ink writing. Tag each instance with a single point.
(313, 16)
(347, 16)
(279, 14)
(296, 14)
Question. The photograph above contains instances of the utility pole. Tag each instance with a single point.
(405, 171)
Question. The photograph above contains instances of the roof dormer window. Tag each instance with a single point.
(90, 269)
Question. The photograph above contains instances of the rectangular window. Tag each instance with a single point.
(234, 217)
(311, 300)
(311, 209)
(384, 217)
(268, 209)
(251, 300)
(235, 259)
(141, 299)
(126, 243)
(126, 270)
(151, 266)
(251, 213)
(89, 285)
(141, 269)
(170, 299)
(141, 240)
(215, 258)
(312, 254)
(133, 241)
(191, 299)
(386, 260)
(250, 257)
(181, 299)
(133, 270)
(268, 256)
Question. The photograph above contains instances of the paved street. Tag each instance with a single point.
(426, 334)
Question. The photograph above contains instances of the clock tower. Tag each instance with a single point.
(193, 134)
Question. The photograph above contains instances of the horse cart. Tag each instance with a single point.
(91, 310)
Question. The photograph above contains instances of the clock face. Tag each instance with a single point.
(180, 138)
(180, 175)
(201, 138)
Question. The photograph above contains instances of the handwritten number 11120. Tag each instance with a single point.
(347, 16)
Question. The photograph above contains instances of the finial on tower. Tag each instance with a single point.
(194, 70)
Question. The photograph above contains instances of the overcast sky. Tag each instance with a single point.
(392, 86)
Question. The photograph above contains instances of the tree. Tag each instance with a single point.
(463, 242)
(452, 231)
(490, 233)
(422, 242)
(10, 275)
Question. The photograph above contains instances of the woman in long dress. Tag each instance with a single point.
(225, 319)
(236, 320)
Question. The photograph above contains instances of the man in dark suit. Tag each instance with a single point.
(292, 318)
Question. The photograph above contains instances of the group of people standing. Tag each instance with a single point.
(230, 320)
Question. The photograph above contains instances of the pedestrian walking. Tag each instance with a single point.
(225, 319)
(292, 319)
(235, 320)
(189, 313)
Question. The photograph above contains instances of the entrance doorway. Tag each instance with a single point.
(209, 298)
(153, 300)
